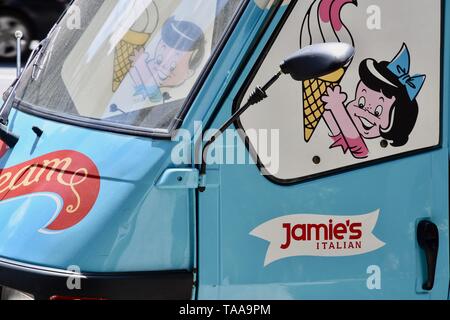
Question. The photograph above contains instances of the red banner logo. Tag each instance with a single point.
(317, 235)
(70, 174)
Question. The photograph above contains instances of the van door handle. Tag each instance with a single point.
(428, 239)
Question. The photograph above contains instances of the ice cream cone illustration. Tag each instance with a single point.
(132, 42)
(329, 28)
(313, 107)
(135, 39)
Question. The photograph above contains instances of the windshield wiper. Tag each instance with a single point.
(44, 53)
(7, 137)
(41, 59)
(9, 96)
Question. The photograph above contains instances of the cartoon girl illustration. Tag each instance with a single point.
(385, 106)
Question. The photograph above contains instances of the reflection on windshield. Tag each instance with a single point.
(132, 62)
(131, 37)
(128, 19)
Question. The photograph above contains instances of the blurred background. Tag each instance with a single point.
(34, 18)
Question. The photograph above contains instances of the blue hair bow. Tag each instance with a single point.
(400, 67)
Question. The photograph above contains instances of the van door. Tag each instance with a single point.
(345, 195)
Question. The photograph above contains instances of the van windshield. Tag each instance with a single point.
(125, 63)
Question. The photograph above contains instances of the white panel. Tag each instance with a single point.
(379, 29)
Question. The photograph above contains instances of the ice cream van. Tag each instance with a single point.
(230, 149)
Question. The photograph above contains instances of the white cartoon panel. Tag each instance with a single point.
(386, 102)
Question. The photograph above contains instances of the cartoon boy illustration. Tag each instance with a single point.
(385, 106)
(177, 56)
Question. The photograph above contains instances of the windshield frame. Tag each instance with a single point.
(97, 124)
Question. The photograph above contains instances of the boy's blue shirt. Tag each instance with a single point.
(150, 91)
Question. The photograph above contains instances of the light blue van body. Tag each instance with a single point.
(145, 219)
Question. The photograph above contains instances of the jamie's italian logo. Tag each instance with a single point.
(67, 173)
(319, 235)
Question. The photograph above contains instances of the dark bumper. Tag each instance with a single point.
(44, 283)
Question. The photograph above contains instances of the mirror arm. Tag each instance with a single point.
(256, 96)
(272, 81)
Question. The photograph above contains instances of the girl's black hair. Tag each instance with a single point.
(404, 112)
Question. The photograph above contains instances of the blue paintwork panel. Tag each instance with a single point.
(132, 225)
(404, 195)
(405, 190)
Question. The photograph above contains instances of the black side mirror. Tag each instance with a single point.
(308, 63)
(317, 60)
